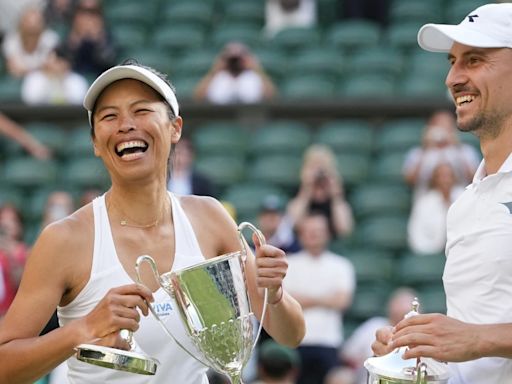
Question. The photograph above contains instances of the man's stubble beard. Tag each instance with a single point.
(485, 125)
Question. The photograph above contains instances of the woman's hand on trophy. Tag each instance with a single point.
(271, 268)
(439, 337)
(118, 310)
(382, 344)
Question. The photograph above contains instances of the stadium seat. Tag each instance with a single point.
(367, 86)
(128, 37)
(52, 135)
(371, 265)
(320, 61)
(220, 138)
(415, 11)
(353, 167)
(157, 59)
(185, 85)
(247, 34)
(246, 12)
(84, 172)
(177, 39)
(138, 14)
(10, 89)
(421, 84)
(369, 300)
(432, 299)
(402, 36)
(387, 167)
(247, 197)
(383, 61)
(224, 170)
(28, 172)
(349, 35)
(79, 142)
(195, 62)
(280, 137)
(348, 135)
(282, 170)
(11, 195)
(293, 39)
(387, 232)
(420, 270)
(374, 199)
(307, 87)
(399, 134)
(193, 12)
(274, 62)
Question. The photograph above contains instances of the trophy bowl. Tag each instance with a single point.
(213, 303)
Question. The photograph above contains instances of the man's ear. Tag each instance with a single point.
(176, 129)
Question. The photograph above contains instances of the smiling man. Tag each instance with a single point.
(476, 334)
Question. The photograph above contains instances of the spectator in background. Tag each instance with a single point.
(427, 223)
(440, 143)
(58, 13)
(59, 204)
(13, 254)
(27, 48)
(55, 82)
(277, 364)
(235, 77)
(183, 178)
(282, 14)
(16, 132)
(357, 348)
(89, 40)
(323, 283)
(276, 225)
(321, 190)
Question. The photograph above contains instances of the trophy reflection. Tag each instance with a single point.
(213, 303)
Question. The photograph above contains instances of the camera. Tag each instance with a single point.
(321, 177)
(234, 64)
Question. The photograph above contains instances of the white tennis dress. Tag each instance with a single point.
(176, 366)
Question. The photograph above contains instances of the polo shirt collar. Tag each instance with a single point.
(480, 173)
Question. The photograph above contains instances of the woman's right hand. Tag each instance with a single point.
(118, 310)
(381, 346)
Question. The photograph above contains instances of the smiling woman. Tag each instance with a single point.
(84, 264)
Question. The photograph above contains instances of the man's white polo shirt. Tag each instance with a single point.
(478, 272)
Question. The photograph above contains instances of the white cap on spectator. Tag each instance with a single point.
(136, 72)
(489, 26)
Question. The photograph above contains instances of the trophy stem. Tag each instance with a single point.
(236, 378)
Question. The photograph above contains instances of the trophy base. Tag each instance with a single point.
(118, 359)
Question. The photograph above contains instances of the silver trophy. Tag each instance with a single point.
(213, 303)
(393, 369)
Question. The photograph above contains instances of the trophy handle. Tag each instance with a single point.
(152, 264)
(262, 240)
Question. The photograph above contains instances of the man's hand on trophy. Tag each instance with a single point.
(271, 268)
(382, 344)
(439, 337)
(118, 310)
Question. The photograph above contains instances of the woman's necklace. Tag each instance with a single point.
(127, 222)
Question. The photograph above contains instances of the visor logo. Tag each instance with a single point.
(472, 18)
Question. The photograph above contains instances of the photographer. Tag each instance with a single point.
(321, 191)
(235, 77)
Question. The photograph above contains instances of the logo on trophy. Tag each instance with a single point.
(213, 303)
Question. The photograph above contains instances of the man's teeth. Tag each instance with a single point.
(465, 99)
(130, 144)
